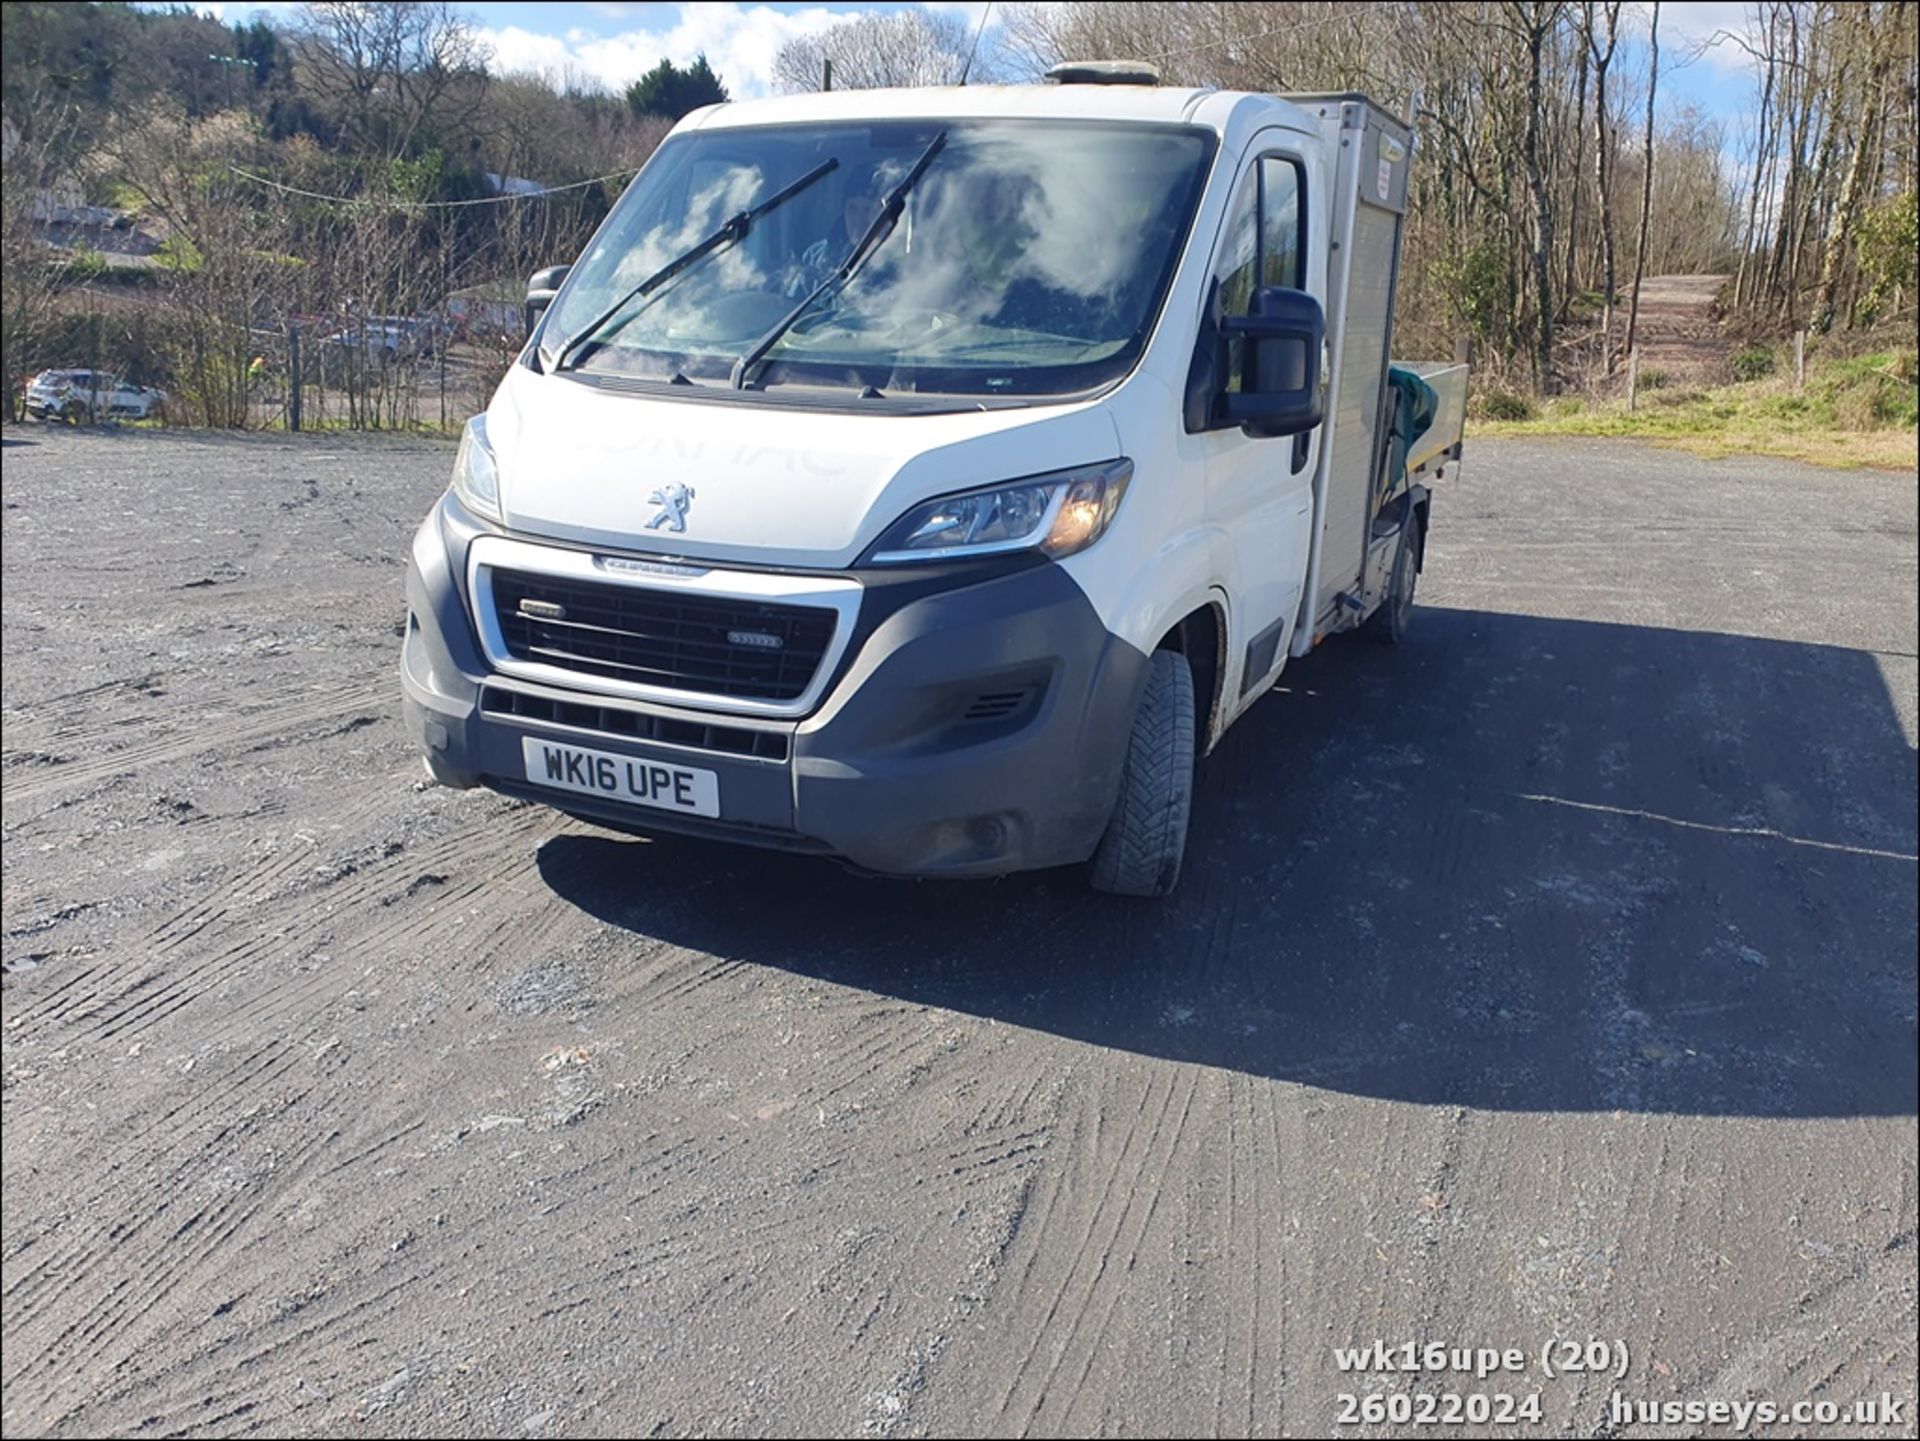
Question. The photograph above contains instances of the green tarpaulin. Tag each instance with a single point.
(1412, 404)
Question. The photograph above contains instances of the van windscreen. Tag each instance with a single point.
(1030, 258)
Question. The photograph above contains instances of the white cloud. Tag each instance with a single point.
(738, 40)
(513, 51)
(1701, 27)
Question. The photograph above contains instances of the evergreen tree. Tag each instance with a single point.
(670, 91)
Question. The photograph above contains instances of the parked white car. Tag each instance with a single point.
(927, 478)
(86, 397)
(378, 342)
(388, 338)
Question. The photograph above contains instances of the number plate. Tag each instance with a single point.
(622, 778)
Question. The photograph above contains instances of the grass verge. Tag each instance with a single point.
(1857, 412)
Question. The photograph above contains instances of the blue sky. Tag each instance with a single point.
(612, 43)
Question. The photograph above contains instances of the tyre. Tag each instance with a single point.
(78, 413)
(1389, 623)
(1140, 853)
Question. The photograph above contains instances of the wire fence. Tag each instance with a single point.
(380, 373)
(114, 363)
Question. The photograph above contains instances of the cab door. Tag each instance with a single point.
(1260, 490)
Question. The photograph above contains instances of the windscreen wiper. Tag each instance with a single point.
(733, 231)
(877, 232)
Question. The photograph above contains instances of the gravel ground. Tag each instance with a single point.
(1551, 976)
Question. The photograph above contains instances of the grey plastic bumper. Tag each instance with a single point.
(977, 727)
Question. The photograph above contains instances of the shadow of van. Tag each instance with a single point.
(1519, 864)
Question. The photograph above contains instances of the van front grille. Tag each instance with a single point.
(609, 720)
(701, 644)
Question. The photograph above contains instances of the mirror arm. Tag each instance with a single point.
(542, 286)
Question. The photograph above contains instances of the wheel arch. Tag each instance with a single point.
(1201, 636)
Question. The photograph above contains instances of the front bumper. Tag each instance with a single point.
(977, 723)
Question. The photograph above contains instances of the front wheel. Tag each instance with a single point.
(1147, 835)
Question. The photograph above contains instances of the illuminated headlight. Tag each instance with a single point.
(1057, 514)
(476, 480)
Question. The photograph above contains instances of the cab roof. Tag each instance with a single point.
(1221, 111)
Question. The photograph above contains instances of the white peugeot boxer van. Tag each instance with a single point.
(925, 478)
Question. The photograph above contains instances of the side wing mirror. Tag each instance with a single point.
(1283, 337)
(542, 286)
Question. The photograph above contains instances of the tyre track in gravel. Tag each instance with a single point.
(264, 1090)
(248, 1074)
(244, 1400)
(1096, 1217)
(70, 721)
(146, 1276)
(204, 950)
(287, 1015)
(1283, 1345)
(499, 873)
(142, 1000)
(1132, 1238)
(280, 722)
(259, 880)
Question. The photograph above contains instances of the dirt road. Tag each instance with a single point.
(1679, 336)
(1549, 977)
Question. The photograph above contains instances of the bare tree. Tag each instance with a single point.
(1837, 87)
(1609, 15)
(1533, 21)
(32, 272)
(1846, 211)
(875, 50)
(1764, 145)
(1568, 284)
(1040, 35)
(384, 68)
(1646, 179)
(227, 266)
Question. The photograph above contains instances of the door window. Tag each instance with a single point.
(1240, 262)
(1263, 243)
(1280, 250)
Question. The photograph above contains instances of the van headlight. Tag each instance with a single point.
(476, 479)
(1058, 514)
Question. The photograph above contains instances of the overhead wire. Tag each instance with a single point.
(379, 202)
